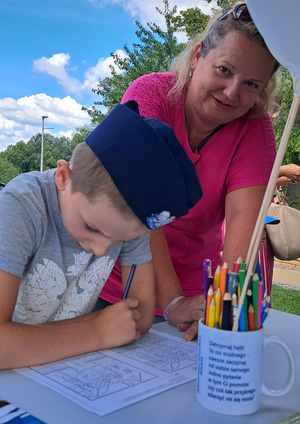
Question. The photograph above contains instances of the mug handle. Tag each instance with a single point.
(291, 377)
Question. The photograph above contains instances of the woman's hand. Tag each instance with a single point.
(288, 173)
(185, 315)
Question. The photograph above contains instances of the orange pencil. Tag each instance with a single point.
(223, 279)
(210, 295)
(251, 318)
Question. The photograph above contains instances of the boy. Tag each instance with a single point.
(62, 230)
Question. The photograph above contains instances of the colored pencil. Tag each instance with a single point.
(255, 283)
(205, 273)
(232, 282)
(223, 279)
(212, 313)
(210, 296)
(264, 316)
(217, 277)
(260, 295)
(251, 318)
(242, 275)
(226, 313)
(234, 305)
(237, 264)
(217, 302)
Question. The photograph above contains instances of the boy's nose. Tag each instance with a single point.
(100, 248)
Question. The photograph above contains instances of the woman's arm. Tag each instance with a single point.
(187, 311)
(241, 211)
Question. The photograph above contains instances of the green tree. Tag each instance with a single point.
(80, 134)
(7, 170)
(285, 86)
(153, 53)
(191, 21)
(224, 3)
(25, 157)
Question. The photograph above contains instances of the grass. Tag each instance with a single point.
(286, 300)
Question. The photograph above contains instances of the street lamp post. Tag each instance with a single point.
(42, 144)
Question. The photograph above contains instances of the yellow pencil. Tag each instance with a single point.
(217, 277)
(212, 312)
(217, 302)
(210, 296)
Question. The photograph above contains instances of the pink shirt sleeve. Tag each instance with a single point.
(252, 161)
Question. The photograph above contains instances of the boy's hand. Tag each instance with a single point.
(185, 315)
(117, 324)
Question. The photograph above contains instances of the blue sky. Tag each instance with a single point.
(53, 52)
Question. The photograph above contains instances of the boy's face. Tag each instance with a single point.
(95, 227)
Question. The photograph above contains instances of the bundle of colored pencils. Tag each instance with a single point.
(222, 293)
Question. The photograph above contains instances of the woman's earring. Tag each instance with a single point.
(191, 73)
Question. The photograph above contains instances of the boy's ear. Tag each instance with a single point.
(62, 175)
(196, 56)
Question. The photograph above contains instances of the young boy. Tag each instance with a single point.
(62, 230)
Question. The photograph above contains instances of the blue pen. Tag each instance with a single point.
(128, 284)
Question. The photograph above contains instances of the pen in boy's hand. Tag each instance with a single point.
(128, 284)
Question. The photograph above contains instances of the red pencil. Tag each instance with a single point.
(251, 318)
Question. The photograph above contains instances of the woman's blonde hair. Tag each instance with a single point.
(90, 178)
(209, 39)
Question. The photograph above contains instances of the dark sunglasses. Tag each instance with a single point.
(240, 11)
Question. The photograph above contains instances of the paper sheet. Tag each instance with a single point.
(108, 380)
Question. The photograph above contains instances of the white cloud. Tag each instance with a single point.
(21, 119)
(57, 66)
(145, 11)
(101, 70)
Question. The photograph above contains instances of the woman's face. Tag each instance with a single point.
(226, 83)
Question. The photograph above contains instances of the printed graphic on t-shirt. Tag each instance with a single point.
(47, 296)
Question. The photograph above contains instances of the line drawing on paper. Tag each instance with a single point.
(160, 353)
(96, 375)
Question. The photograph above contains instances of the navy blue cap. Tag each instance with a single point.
(147, 164)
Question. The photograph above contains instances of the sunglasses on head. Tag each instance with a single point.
(240, 11)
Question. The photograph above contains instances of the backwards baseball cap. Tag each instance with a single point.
(147, 164)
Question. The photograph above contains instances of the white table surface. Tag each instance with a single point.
(175, 406)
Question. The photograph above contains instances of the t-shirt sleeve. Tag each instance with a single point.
(136, 251)
(254, 157)
(17, 235)
(150, 92)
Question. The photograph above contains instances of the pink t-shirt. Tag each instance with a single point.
(241, 154)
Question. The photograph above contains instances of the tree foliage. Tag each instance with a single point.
(153, 53)
(25, 157)
(190, 21)
(224, 3)
(285, 86)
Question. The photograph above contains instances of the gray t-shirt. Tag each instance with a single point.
(59, 279)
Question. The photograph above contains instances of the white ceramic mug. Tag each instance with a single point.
(229, 375)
